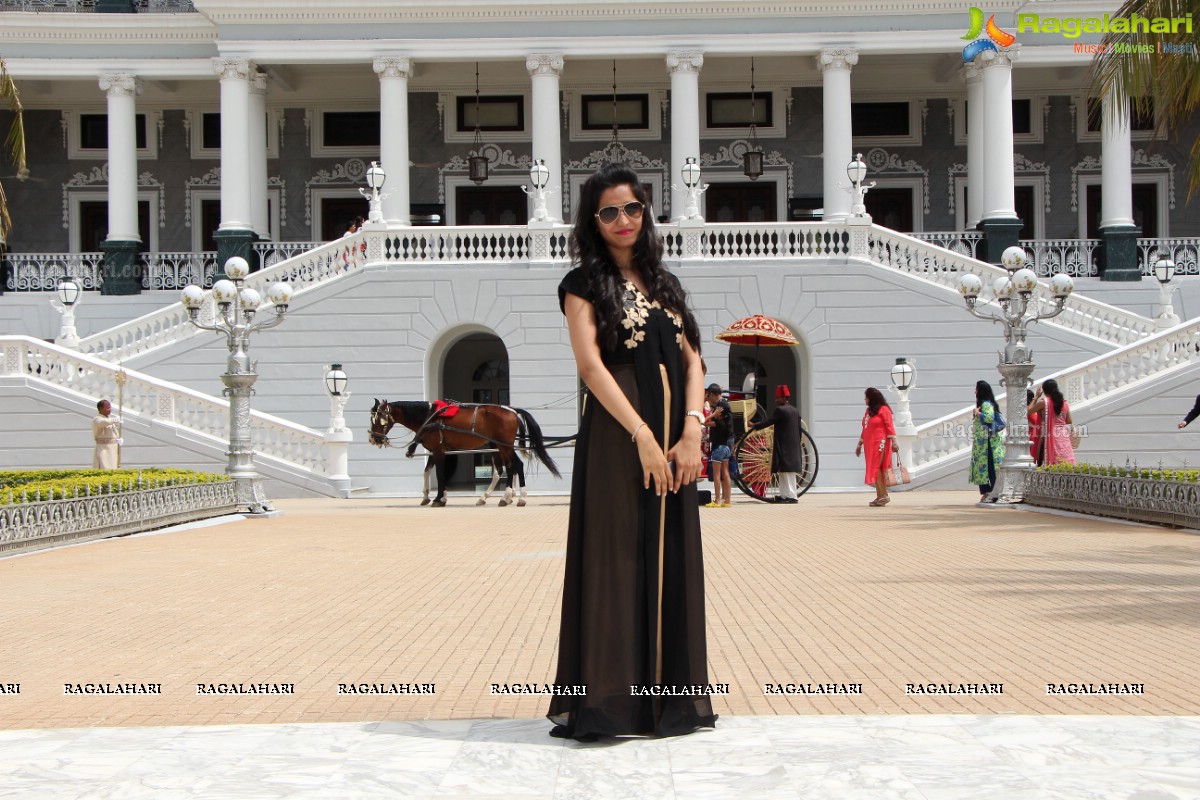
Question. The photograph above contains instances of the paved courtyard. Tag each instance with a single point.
(992, 605)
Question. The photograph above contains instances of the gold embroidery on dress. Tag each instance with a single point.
(637, 311)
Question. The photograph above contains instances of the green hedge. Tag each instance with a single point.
(19, 486)
(1113, 471)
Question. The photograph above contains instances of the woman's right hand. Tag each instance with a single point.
(858, 449)
(654, 462)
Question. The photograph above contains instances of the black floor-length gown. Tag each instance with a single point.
(623, 625)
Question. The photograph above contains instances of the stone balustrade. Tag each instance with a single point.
(289, 447)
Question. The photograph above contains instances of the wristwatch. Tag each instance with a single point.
(699, 415)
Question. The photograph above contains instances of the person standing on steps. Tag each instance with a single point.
(106, 431)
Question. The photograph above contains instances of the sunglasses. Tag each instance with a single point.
(609, 214)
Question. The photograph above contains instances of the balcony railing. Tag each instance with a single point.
(1078, 258)
(41, 272)
(1184, 252)
(1075, 257)
(87, 6)
(965, 243)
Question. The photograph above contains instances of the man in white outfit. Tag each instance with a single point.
(106, 430)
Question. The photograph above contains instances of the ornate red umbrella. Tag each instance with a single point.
(758, 330)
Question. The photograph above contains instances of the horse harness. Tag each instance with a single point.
(434, 422)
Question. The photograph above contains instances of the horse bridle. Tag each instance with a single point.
(381, 418)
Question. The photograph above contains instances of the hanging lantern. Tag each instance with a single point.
(477, 164)
(477, 168)
(752, 159)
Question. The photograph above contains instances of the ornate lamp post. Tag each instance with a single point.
(904, 378)
(1018, 310)
(69, 294)
(856, 171)
(338, 436)
(539, 176)
(690, 172)
(237, 306)
(1164, 270)
(375, 180)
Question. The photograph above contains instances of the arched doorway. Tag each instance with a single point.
(775, 366)
(475, 370)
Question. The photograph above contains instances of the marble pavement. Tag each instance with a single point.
(931, 589)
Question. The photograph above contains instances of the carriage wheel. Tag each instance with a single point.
(753, 464)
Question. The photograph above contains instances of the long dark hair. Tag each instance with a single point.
(1051, 390)
(983, 391)
(875, 401)
(589, 251)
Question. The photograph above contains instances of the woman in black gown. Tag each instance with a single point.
(633, 594)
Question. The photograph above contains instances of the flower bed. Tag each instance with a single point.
(36, 485)
(1162, 496)
(43, 508)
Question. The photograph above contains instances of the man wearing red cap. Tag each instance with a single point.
(786, 460)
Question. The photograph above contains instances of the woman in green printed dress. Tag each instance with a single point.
(987, 448)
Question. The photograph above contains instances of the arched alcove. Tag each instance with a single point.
(775, 366)
(473, 368)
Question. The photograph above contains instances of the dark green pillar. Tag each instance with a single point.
(235, 242)
(998, 236)
(121, 269)
(1118, 259)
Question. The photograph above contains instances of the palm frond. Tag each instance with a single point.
(14, 142)
(1157, 72)
(5, 221)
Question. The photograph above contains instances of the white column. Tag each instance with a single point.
(1116, 160)
(975, 146)
(684, 67)
(235, 142)
(838, 134)
(122, 89)
(258, 156)
(544, 72)
(999, 190)
(394, 72)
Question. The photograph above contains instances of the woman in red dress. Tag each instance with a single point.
(877, 443)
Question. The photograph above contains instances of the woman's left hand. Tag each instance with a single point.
(686, 457)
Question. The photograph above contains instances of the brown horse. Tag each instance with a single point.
(473, 427)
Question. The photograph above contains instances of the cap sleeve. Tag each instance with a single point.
(572, 283)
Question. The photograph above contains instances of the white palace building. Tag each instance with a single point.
(166, 135)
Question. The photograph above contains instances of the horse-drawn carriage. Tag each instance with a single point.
(751, 467)
(446, 430)
(503, 431)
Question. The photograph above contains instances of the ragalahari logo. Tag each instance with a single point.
(995, 36)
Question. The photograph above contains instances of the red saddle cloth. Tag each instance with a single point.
(443, 409)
